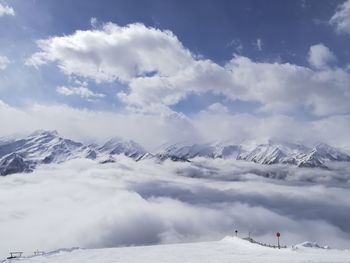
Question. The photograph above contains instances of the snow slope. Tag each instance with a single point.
(230, 249)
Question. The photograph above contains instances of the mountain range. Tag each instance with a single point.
(44, 147)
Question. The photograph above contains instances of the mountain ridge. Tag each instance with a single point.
(45, 147)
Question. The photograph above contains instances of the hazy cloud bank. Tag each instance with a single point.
(152, 130)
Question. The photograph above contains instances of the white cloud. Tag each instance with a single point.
(259, 44)
(341, 18)
(114, 52)
(94, 22)
(320, 56)
(81, 91)
(239, 128)
(279, 87)
(237, 45)
(218, 108)
(6, 10)
(80, 124)
(160, 72)
(4, 62)
(198, 77)
(154, 129)
(284, 87)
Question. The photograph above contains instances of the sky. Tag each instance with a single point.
(167, 71)
(163, 71)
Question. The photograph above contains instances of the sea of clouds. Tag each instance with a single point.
(87, 204)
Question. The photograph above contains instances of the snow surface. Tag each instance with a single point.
(230, 249)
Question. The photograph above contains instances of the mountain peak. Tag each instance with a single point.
(44, 133)
(325, 151)
(117, 145)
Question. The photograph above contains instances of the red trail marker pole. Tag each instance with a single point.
(278, 234)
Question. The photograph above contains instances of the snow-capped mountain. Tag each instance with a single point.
(40, 147)
(277, 153)
(189, 151)
(44, 147)
(129, 148)
(269, 153)
(324, 151)
(295, 154)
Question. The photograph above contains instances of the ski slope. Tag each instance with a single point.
(230, 249)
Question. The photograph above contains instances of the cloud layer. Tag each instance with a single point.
(81, 203)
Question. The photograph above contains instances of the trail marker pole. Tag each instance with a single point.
(236, 232)
(278, 234)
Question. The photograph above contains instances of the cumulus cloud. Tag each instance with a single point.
(341, 18)
(81, 91)
(4, 62)
(6, 10)
(160, 71)
(198, 77)
(279, 87)
(82, 203)
(320, 56)
(114, 52)
(284, 87)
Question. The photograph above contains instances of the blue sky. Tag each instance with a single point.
(259, 58)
